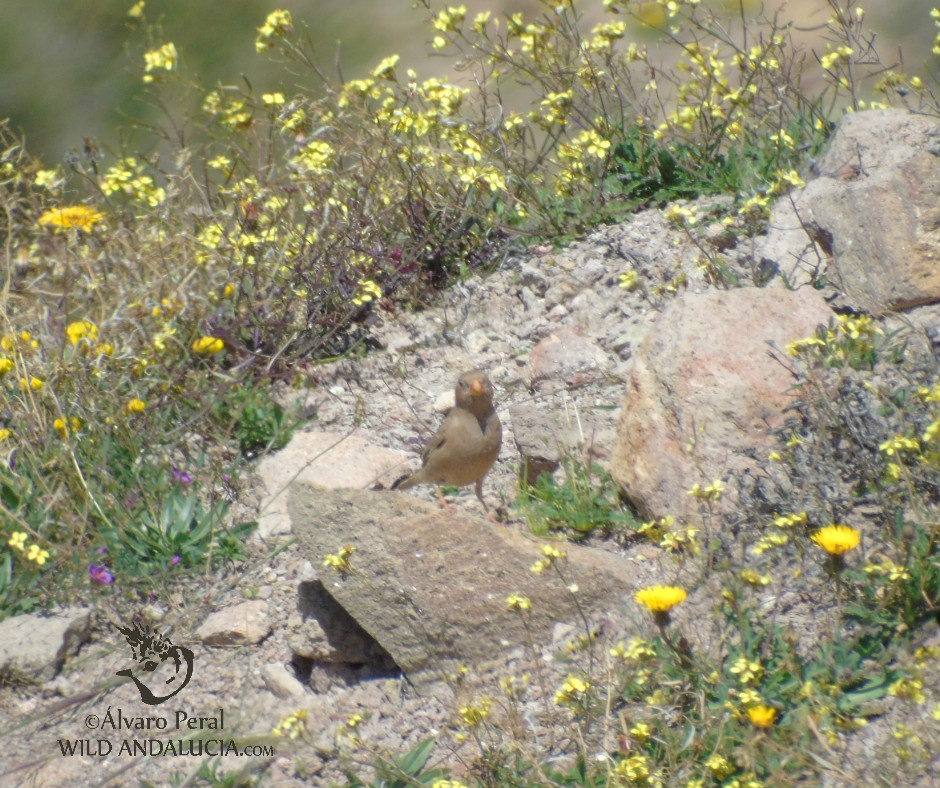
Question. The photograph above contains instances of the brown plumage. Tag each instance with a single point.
(464, 449)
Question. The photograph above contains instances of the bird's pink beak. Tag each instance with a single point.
(476, 388)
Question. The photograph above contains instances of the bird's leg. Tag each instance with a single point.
(442, 500)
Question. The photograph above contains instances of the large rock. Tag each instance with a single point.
(431, 587)
(35, 646)
(874, 209)
(704, 392)
(328, 459)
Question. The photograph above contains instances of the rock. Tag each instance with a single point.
(321, 630)
(431, 587)
(546, 434)
(329, 459)
(281, 681)
(565, 357)
(875, 208)
(33, 647)
(704, 391)
(248, 622)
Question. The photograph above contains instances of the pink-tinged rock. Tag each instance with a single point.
(566, 358)
(871, 219)
(705, 389)
(328, 459)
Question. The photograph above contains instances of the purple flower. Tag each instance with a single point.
(174, 560)
(100, 574)
(102, 550)
(181, 476)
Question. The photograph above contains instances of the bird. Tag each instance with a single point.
(465, 447)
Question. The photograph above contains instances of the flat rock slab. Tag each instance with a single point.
(431, 587)
(328, 459)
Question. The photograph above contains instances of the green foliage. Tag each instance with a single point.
(587, 500)
(182, 528)
(403, 771)
(258, 423)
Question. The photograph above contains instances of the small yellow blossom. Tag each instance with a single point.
(81, 329)
(6, 364)
(136, 10)
(135, 406)
(339, 562)
(49, 179)
(368, 290)
(473, 715)
(292, 725)
(517, 602)
(33, 383)
(18, 540)
(36, 554)
(277, 25)
(386, 68)
(208, 345)
(762, 716)
(5, 433)
(836, 539)
(165, 58)
(660, 599)
(628, 280)
(572, 690)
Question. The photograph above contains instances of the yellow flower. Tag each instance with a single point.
(474, 715)
(17, 540)
(208, 345)
(5, 433)
(339, 561)
(367, 291)
(135, 406)
(660, 599)
(6, 364)
(35, 553)
(80, 216)
(164, 58)
(81, 329)
(517, 602)
(33, 383)
(836, 539)
(571, 691)
(762, 716)
(59, 426)
(136, 10)
(386, 68)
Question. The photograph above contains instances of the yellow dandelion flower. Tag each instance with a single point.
(208, 345)
(762, 716)
(836, 539)
(6, 364)
(5, 433)
(135, 406)
(59, 426)
(660, 599)
(79, 216)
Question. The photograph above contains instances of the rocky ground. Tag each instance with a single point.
(561, 339)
